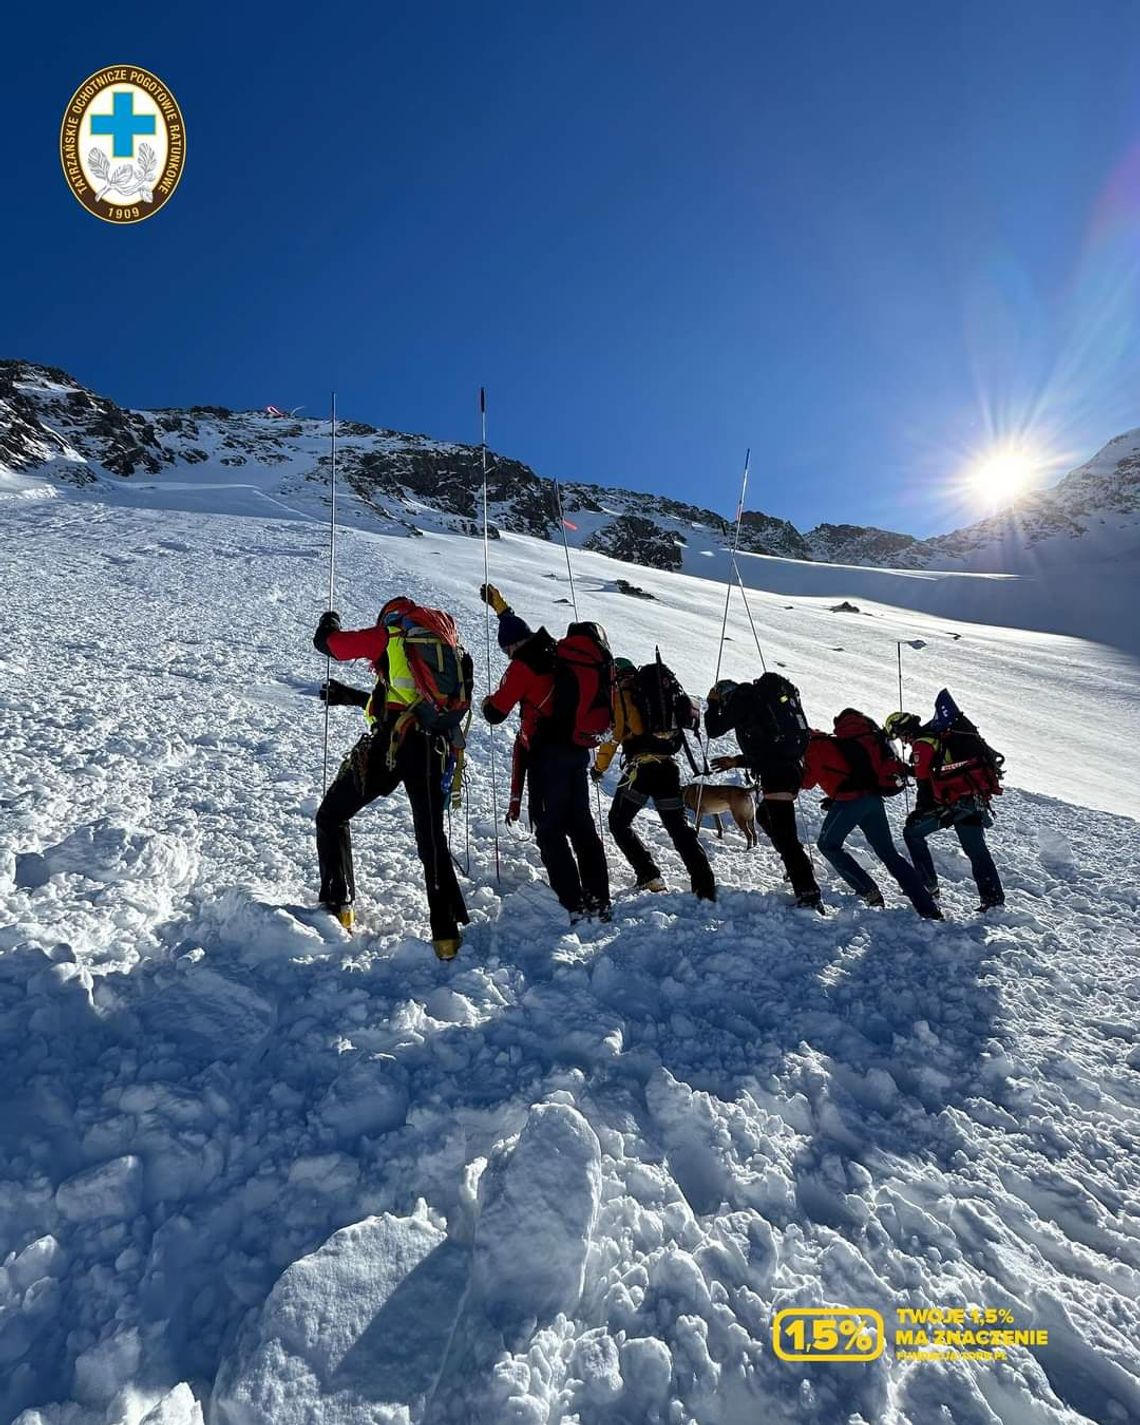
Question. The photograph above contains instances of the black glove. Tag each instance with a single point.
(341, 695)
(596, 774)
(328, 623)
(827, 803)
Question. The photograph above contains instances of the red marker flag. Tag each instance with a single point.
(568, 525)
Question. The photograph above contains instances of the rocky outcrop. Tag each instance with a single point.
(637, 540)
(855, 544)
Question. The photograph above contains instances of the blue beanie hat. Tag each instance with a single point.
(512, 630)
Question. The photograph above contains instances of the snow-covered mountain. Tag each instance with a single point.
(52, 425)
(54, 430)
(257, 1172)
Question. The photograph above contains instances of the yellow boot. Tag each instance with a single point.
(342, 914)
(447, 948)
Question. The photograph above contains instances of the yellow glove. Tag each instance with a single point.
(490, 595)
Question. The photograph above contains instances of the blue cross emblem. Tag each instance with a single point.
(122, 124)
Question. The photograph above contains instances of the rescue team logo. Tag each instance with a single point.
(123, 144)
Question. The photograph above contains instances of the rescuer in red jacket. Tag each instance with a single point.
(855, 768)
(556, 769)
(954, 790)
(384, 757)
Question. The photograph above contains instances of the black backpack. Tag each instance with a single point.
(666, 710)
(777, 717)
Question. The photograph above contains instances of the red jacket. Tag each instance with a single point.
(521, 686)
(371, 643)
(923, 753)
(825, 766)
(348, 644)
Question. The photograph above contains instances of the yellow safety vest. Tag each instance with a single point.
(397, 685)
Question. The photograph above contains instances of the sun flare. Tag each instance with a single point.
(1004, 474)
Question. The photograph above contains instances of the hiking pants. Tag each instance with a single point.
(778, 822)
(364, 776)
(659, 782)
(969, 825)
(870, 816)
(568, 840)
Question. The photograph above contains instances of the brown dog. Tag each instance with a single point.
(715, 799)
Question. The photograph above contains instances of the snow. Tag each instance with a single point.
(253, 1169)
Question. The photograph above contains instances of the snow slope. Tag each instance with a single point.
(252, 1171)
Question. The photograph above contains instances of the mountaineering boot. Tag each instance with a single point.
(655, 883)
(706, 893)
(598, 910)
(873, 898)
(990, 905)
(446, 947)
(934, 914)
(342, 914)
(810, 900)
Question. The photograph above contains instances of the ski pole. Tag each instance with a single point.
(898, 650)
(566, 548)
(487, 621)
(574, 602)
(748, 611)
(332, 584)
(728, 599)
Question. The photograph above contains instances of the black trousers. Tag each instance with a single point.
(659, 782)
(568, 840)
(778, 821)
(364, 776)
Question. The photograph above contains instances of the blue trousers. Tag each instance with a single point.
(869, 815)
(970, 830)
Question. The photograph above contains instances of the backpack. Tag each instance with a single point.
(666, 710)
(441, 668)
(867, 751)
(777, 716)
(965, 764)
(582, 706)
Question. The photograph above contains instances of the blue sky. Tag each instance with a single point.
(867, 240)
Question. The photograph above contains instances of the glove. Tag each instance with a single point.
(596, 774)
(826, 804)
(338, 695)
(490, 595)
(724, 764)
(328, 623)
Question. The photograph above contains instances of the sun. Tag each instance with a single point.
(1002, 475)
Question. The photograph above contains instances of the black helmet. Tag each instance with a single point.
(721, 690)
